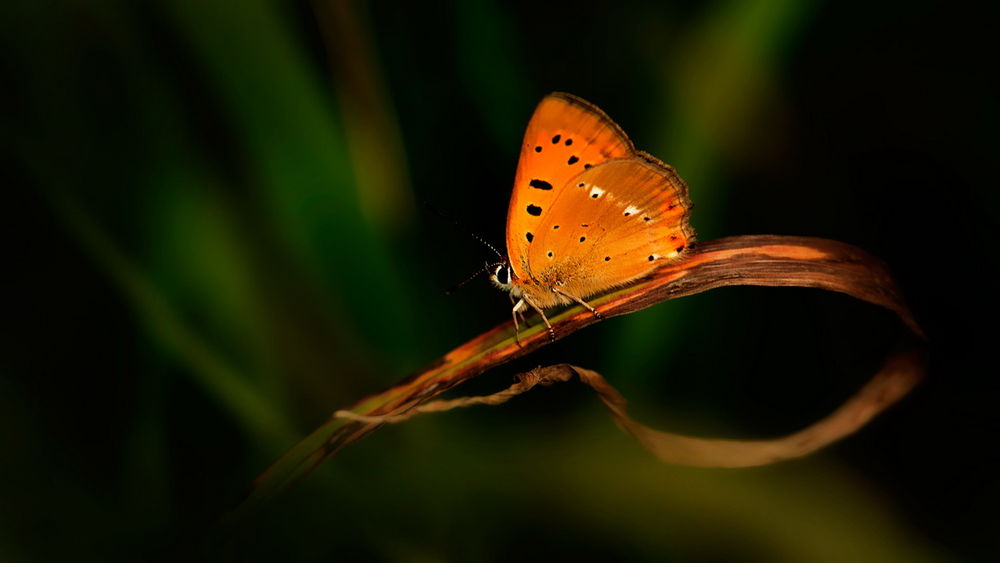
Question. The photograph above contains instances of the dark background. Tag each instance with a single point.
(213, 237)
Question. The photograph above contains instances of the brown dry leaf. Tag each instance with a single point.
(765, 260)
(899, 374)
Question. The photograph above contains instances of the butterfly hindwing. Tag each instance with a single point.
(565, 137)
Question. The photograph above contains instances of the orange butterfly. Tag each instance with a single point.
(588, 213)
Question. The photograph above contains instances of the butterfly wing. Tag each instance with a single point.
(611, 224)
(566, 136)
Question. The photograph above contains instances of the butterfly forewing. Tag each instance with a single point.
(565, 137)
(609, 225)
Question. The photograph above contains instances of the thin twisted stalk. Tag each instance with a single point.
(764, 260)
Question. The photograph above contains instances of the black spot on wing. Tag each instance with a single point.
(534, 210)
(572, 160)
(556, 139)
(540, 184)
(529, 236)
(538, 149)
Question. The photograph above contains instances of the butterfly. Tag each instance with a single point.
(588, 212)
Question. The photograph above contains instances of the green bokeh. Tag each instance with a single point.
(213, 226)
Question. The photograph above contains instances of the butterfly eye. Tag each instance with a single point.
(502, 274)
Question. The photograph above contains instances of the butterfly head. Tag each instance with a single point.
(502, 276)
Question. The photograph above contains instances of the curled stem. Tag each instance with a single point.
(764, 260)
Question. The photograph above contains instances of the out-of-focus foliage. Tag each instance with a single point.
(213, 238)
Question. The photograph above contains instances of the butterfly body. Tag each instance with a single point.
(588, 212)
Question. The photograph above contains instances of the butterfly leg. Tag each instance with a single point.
(548, 325)
(518, 311)
(518, 307)
(580, 301)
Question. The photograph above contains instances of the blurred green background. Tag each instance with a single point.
(214, 236)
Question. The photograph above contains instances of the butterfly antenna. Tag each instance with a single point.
(455, 287)
(462, 227)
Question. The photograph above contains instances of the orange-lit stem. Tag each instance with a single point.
(765, 260)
